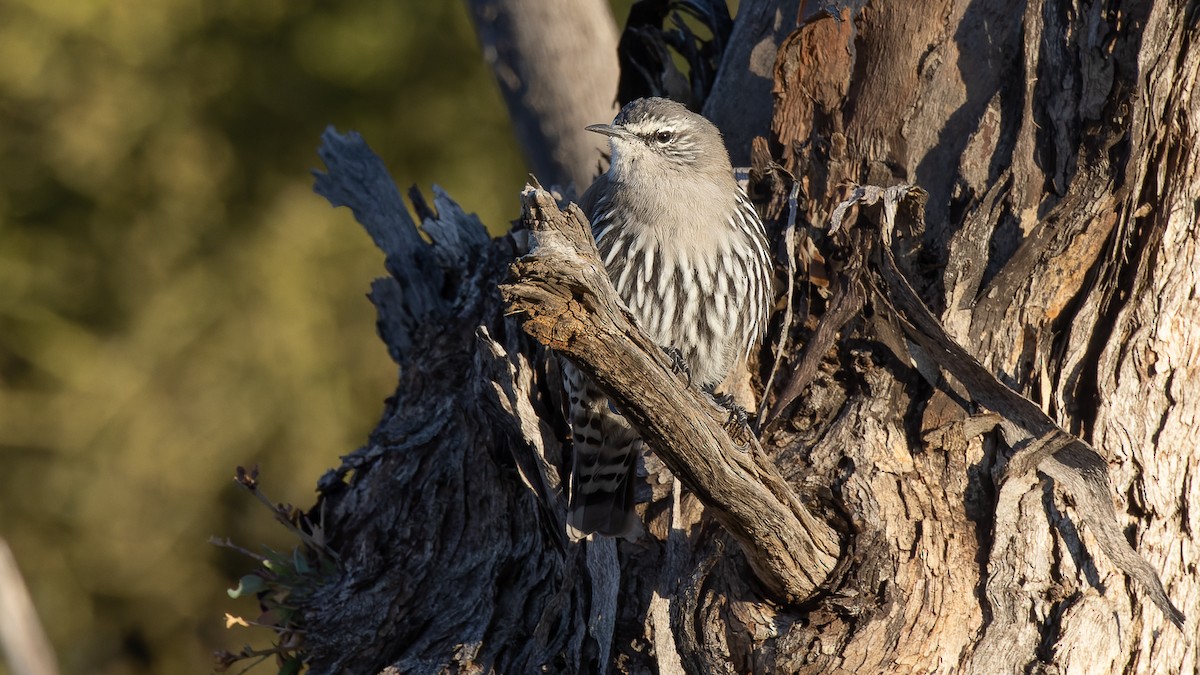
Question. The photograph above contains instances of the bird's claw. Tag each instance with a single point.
(678, 363)
(737, 419)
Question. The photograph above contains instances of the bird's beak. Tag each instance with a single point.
(609, 130)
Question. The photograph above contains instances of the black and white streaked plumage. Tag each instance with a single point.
(688, 255)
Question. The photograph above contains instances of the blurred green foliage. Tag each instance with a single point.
(174, 299)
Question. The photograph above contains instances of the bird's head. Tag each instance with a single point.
(657, 136)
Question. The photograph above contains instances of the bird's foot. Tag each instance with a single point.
(678, 363)
(737, 421)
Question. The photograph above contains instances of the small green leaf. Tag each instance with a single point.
(247, 585)
(301, 564)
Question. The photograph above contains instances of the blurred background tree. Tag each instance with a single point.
(174, 299)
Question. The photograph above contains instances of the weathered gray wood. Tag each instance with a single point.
(357, 179)
(443, 547)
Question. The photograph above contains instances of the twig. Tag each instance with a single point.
(789, 242)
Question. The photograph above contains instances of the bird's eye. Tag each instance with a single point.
(664, 137)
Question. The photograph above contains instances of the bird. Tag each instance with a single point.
(688, 255)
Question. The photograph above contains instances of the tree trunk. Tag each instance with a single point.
(964, 494)
(556, 64)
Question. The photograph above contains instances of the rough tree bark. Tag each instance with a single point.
(1058, 245)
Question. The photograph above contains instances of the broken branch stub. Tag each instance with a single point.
(569, 304)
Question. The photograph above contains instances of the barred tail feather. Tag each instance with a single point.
(604, 469)
(601, 493)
